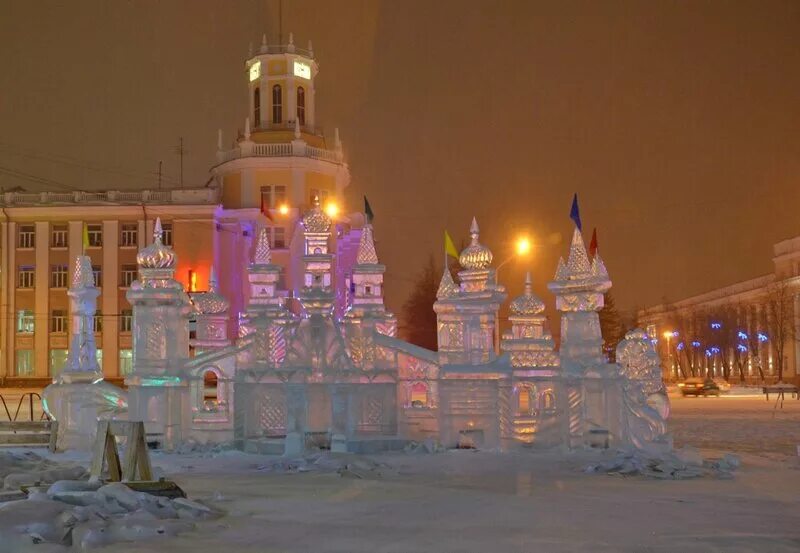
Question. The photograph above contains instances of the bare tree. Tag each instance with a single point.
(418, 315)
(780, 322)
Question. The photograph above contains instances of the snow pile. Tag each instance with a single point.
(675, 465)
(83, 515)
(29, 469)
(74, 514)
(344, 464)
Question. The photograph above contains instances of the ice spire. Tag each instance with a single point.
(366, 248)
(578, 261)
(447, 287)
(83, 276)
(297, 127)
(528, 303)
(476, 256)
(213, 282)
(262, 255)
(158, 231)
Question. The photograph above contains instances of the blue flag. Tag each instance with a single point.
(575, 213)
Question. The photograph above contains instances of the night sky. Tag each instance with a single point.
(678, 123)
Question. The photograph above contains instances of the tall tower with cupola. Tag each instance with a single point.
(273, 167)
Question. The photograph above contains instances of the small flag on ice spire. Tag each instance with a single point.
(449, 247)
(593, 244)
(368, 210)
(575, 213)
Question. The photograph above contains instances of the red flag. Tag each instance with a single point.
(265, 210)
(593, 244)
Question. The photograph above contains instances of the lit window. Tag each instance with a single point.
(257, 107)
(25, 321)
(58, 360)
(166, 237)
(277, 104)
(97, 323)
(301, 105)
(266, 197)
(95, 234)
(58, 276)
(525, 395)
(59, 237)
(125, 362)
(26, 238)
(126, 320)
(26, 276)
(25, 362)
(58, 321)
(130, 235)
(127, 276)
(419, 394)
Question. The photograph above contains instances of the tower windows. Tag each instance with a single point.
(257, 106)
(277, 104)
(301, 105)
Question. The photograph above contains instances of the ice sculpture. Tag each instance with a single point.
(645, 398)
(79, 396)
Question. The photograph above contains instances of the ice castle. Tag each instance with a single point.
(292, 381)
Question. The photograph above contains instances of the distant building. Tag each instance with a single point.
(735, 329)
(277, 165)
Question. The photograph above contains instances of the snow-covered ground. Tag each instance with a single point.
(462, 501)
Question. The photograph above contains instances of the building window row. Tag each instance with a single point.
(59, 276)
(26, 321)
(59, 235)
(25, 361)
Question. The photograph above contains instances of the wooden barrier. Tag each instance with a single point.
(105, 450)
(29, 433)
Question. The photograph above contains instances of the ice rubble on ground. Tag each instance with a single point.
(677, 464)
(78, 515)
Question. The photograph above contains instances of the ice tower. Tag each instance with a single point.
(78, 396)
(579, 285)
(158, 393)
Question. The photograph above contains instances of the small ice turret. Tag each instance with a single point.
(466, 318)
(529, 342)
(211, 317)
(79, 396)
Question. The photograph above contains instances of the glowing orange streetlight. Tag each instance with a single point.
(522, 247)
(332, 209)
(283, 209)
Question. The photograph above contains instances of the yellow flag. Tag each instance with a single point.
(449, 247)
(85, 236)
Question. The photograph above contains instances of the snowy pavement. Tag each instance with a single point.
(463, 501)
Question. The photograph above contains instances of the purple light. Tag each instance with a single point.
(742, 348)
(762, 337)
(742, 335)
(654, 341)
(695, 344)
(708, 353)
(716, 326)
(680, 346)
(675, 334)
(715, 350)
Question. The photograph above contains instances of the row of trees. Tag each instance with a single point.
(733, 336)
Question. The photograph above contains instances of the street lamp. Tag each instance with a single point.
(332, 209)
(522, 247)
(668, 335)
